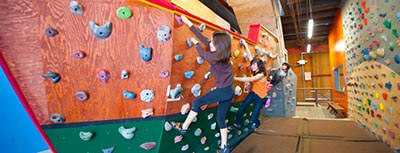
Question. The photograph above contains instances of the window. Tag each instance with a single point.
(338, 73)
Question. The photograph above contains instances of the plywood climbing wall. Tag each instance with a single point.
(373, 66)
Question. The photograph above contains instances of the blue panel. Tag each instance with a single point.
(17, 132)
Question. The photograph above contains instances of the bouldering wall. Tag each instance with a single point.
(94, 59)
(373, 58)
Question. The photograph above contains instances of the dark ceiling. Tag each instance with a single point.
(295, 21)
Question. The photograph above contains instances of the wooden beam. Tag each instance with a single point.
(293, 14)
(315, 17)
(284, 7)
(315, 10)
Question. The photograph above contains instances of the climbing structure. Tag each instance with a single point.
(373, 59)
(113, 74)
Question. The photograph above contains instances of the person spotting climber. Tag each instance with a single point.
(219, 58)
(258, 94)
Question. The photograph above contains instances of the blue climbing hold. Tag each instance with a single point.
(202, 27)
(145, 53)
(387, 120)
(365, 51)
(398, 16)
(75, 8)
(388, 85)
(189, 74)
(246, 122)
(53, 76)
(101, 32)
(200, 60)
(242, 42)
(189, 42)
(178, 57)
(397, 59)
(128, 95)
(391, 111)
(375, 106)
(367, 57)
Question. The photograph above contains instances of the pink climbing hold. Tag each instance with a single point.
(148, 145)
(178, 138)
(268, 103)
(392, 134)
(397, 124)
(178, 20)
(103, 75)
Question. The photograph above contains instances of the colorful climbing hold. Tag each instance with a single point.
(196, 90)
(207, 75)
(54, 77)
(85, 136)
(200, 60)
(128, 95)
(147, 112)
(177, 92)
(145, 53)
(108, 150)
(124, 13)
(50, 32)
(101, 32)
(189, 74)
(236, 53)
(127, 133)
(75, 8)
(148, 145)
(395, 34)
(57, 118)
(164, 74)
(81, 96)
(178, 57)
(197, 132)
(167, 126)
(178, 138)
(189, 42)
(387, 24)
(78, 54)
(202, 27)
(103, 75)
(147, 95)
(164, 33)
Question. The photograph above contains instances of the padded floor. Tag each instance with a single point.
(297, 135)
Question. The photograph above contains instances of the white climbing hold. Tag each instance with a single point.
(200, 60)
(197, 132)
(185, 108)
(178, 138)
(167, 126)
(213, 126)
(238, 91)
(185, 147)
(85, 136)
(196, 90)
(217, 135)
(213, 88)
(108, 150)
(147, 112)
(147, 95)
(206, 148)
(124, 74)
(203, 140)
(207, 75)
(210, 116)
(227, 121)
(194, 119)
(127, 133)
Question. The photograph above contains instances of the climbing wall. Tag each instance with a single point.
(373, 63)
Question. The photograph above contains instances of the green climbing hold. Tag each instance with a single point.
(395, 34)
(387, 23)
(369, 102)
(371, 15)
(391, 46)
(236, 54)
(124, 13)
(393, 74)
(376, 124)
(368, 111)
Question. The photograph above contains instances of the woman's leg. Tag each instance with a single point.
(219, 94)
(223, 107)
(256, 110)
(243, 107)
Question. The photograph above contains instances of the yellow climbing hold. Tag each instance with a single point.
(364, 101)
(377, 95)
(381, 107)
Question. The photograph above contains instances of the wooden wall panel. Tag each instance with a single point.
(119, 51)
(19, 39)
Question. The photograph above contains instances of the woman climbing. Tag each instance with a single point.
(219, 58)
(258, 94)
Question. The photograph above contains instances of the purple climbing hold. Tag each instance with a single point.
(178, 138)
(104, 76)
(50, 32)
(392, 134)
(178, 20)
(148, 145)
(81, 96)
(164, 74)
(79, 54)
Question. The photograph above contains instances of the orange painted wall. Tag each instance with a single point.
(337, 58)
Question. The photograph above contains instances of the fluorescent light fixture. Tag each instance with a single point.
(308, 48)
(310, 28)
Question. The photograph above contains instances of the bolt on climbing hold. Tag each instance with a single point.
(103, 75)
(108, 150)
(53, 76)
(100, 32)
(217, 135)
(148, 145)
(185, 147)
(127, 133)
(124, 74)
(147, 112)
(200, 60)
(242, 42)
(238, 91)
(178, 57)
(147, 95)
(387, 24)
(167, 126)
(210, 116)
(388, 85)
(202, 27)
(50, 32)
(79, 54)
(164, 74)
(197, 132)
(236, 53)
(194, 120)
(391, 46)
(196, 90)
(189, 74)
(124, 13)
(128, 95)
(57, 118)
(85, 136)
(75, 8)
(395, 34)
(185, 108)
(164, 33)
(234, 109)
(178, 20)
(213, 126)
(203, 140)
(189, 42)
(81, 96)
(178, 138)
(177, 92)
(207, 75)
(145, 53)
